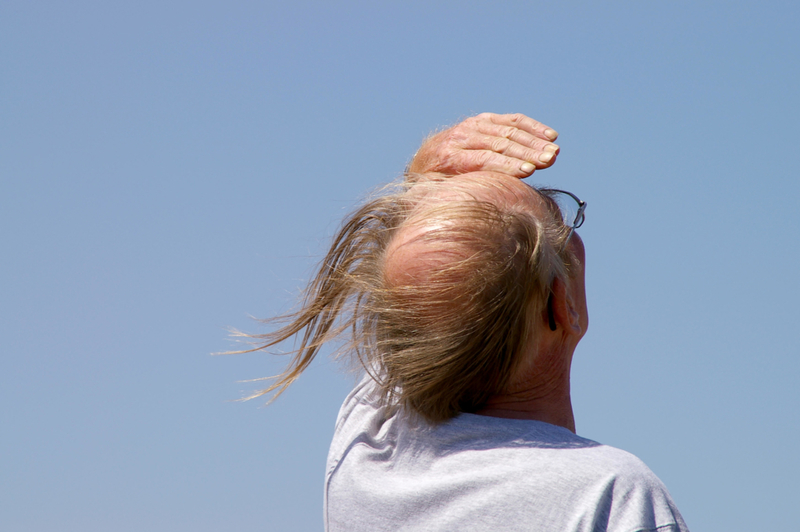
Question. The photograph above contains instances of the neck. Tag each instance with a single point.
(540, 392)
(554, 408)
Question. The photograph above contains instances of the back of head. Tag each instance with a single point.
(466, 276)
(441, 283)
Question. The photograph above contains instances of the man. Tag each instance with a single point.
(463, 290)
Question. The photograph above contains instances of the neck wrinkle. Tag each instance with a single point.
(540, 392)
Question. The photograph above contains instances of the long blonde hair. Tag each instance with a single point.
(441, 341)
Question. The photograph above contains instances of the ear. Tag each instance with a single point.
(562, 310)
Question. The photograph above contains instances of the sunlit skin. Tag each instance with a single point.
(409, 259)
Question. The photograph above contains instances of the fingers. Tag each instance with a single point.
(518, 136)
(485, 160)
(537, 152)
(525, 143)
(513, 144)
(524, 123)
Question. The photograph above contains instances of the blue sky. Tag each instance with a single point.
(170, 169)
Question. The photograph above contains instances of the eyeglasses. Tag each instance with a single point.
(569, 206)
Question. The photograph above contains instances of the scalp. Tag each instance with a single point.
(430, 238)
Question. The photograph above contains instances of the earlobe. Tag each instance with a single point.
(575, 318)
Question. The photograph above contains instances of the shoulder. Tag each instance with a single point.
(362, 417)
(623, 493)
(593, 486)
(478, 472)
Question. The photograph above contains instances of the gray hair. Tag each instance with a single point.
(447, 336)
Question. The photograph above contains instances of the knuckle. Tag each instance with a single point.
(499, 145)
(445, 160)
(451, 137)
(462, 128)
(516, 118)
(481, 157)
(509, 132)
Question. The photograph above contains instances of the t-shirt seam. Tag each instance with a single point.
(656, 529)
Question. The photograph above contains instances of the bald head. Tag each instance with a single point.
(430, 239)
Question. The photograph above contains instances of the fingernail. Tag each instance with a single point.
(551, 134)
(551, 147)
(527, 168)
(546, 157)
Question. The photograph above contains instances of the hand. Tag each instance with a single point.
(510, 144)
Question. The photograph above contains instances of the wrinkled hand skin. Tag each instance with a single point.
(511, 144)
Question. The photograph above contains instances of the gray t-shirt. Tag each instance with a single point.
(391, 471)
